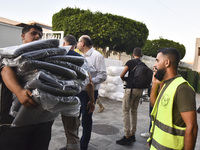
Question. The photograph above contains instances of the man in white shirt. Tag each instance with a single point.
(98, 75)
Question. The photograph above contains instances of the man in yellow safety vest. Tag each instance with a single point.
(174, 120)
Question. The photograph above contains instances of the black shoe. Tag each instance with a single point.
(63, 148)
(124, 141)
(198, 110)
(133, 138)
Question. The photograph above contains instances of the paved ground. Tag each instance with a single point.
(108, 127)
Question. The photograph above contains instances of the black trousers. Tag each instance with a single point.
(86, 119)
(32, 137)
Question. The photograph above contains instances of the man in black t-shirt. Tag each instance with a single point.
(129, 106)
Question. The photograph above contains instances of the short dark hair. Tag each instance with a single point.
(70, 39)
(88, 41)
(173, 55)
(137, 52)
(28, 27)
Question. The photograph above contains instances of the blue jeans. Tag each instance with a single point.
(32, 137)
(86, 119)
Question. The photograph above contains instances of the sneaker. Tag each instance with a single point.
(133, 138)
(198, 110)
(124, 141)
(145, 135)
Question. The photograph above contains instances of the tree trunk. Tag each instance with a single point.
(106, 53)
(119, 56)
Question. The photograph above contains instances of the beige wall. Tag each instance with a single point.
(123, 57)
(196, 64)
(10, 35)
(149, 61)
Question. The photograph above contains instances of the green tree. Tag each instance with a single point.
(152, 46)
(106, 30)
(57, 19)
(99, 29)
(132, 33)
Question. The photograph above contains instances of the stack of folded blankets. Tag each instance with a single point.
(53, 77)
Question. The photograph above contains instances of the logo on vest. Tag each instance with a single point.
(165, 100)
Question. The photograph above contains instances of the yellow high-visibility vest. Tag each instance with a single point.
(164, 134)
(78, 51)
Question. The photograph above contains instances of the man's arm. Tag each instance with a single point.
(100, 77)
(100, 67)
(156, 87)
(190, 137)
(10, 79)
(90, 92)
(123, 73)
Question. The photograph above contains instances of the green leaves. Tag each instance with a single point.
(106, 30)
(151, 47)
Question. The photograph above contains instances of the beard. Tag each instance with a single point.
(160, 74)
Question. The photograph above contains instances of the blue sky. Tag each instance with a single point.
(177, 20)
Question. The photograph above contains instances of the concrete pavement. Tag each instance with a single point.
(108, 127)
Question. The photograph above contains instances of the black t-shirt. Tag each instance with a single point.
(131, 64)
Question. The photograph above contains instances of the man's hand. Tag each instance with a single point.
(24, 96)
(155, 81)
(10, 79)
(156, 87)
(90, 106)
(90, 92)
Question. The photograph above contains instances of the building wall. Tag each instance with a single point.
(196, 64)
(10, 35)
(148, 60)
(123, 57)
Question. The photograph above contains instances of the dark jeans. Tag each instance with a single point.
(32, 137)
(86, 119)
(150, 110)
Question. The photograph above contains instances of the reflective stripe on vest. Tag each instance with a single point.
(168, 129)
(158, 146)
(166, 135)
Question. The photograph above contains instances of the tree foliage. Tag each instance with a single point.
(57, 19)
(106, 30)
(152, 46)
